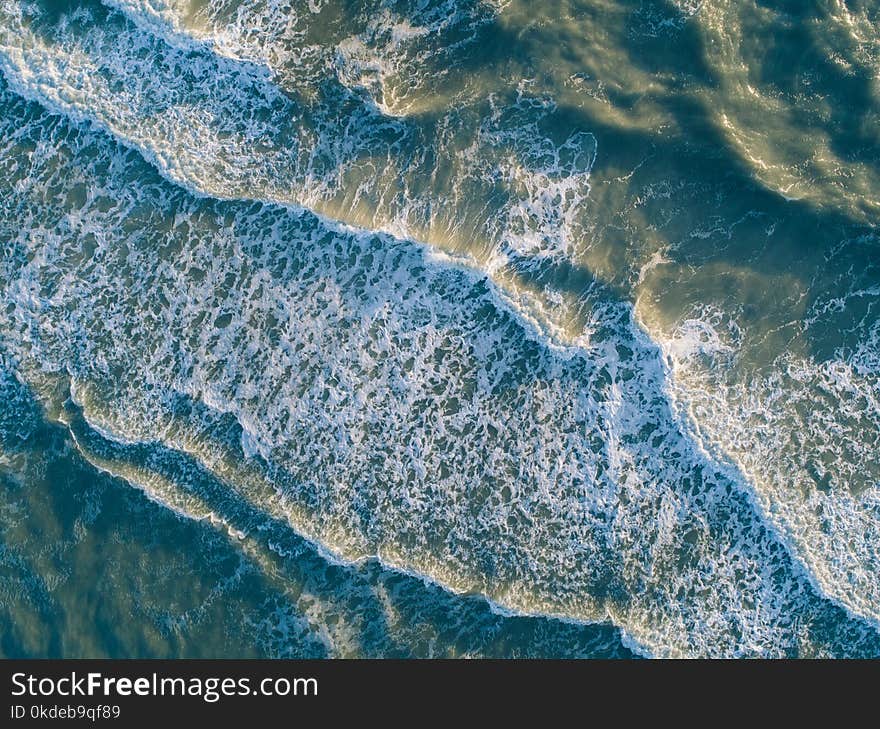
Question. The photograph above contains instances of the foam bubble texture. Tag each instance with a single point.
(386, 403)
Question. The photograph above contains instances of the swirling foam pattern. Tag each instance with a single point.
(445, 328)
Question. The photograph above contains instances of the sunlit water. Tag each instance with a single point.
(439, 328)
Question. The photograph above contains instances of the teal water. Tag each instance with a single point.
(439, 328)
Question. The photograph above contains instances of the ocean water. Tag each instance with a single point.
(439, 328)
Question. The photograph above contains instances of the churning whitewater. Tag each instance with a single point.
(449, 328)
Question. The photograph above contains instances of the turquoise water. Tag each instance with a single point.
(439, 328)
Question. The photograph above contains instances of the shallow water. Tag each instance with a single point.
(439, 328)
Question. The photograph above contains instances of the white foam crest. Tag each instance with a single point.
(164, 20)
(222, 127)
(807, 434)
(550, 182)
(171, 104)
(403, 407)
